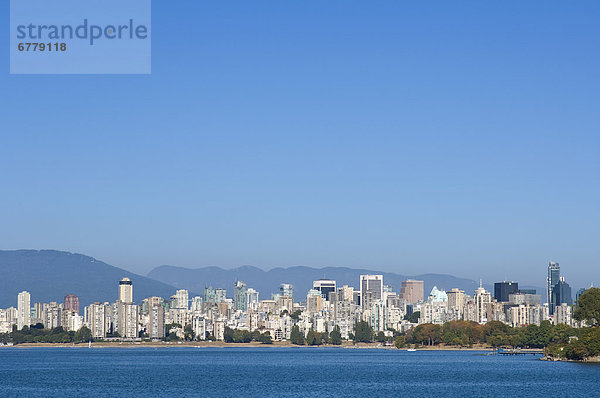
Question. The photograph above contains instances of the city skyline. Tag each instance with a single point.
(326, 306)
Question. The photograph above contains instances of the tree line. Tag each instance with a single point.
(37, 334)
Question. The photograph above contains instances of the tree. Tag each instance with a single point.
(84, 334)
(265, 338)
(413, 318)
(295, 336)
(380, 337)
(588, 307)
(188, 332)
(335, 337)
(311, 339)
(296, 315)
(363, 332)
(399, 342)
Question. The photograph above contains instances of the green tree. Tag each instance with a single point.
(588, 307)
(296, 315)
(413, 318)
(335, 337)
(188, 332)
(311, 338)
(296, 337)
(363, 332)
(228, 335)
(380, 337)
(83, 335)
(265, 338)
(399, 342)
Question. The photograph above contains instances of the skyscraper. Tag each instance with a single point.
(412, 291)
(325, 286)
(240, 296)
(503, 289)
(551, 281)
(374, 283)
(126, 290)
(286, 289)
(561, 294)
(71, 303)
(23, 310)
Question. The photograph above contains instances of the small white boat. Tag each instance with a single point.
(411, 350)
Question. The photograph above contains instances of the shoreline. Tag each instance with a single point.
(221, 344)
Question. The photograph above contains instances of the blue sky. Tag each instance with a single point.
(454, 137)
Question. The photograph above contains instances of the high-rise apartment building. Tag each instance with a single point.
(156, 322)
(373, 283)
(182, 299)
(23, 310)
(412, 291)
(456, 300)
(127, 323)
(71, 303)
(481, 298)
(126, 290)
(95, 318)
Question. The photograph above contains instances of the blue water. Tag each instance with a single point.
(290, 372)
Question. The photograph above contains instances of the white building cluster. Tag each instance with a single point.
(521, 309)
(324, 307)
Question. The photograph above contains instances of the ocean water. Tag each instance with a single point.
(285, 372)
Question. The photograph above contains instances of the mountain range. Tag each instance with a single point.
(267, 282)
(49, 275)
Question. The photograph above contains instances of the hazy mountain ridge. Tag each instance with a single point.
(49, 275)
(267, 282)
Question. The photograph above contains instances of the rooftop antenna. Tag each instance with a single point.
(480, 283)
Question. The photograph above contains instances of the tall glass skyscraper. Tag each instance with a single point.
(551, 281)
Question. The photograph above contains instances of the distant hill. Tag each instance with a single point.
(49, 275)
(267, 282)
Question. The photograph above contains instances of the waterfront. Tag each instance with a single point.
(297, 372)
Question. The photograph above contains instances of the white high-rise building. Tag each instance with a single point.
(95, 318)
(127, 314)
(126, 290)
(182, 297)
(482, 298)
(23, 310)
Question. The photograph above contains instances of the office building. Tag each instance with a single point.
(373, 283)
(71, 303)
(551, 280)
(240, 297)
(325, 286)
(286, 290)
(412, 291)
(561, 293)
(503, 289)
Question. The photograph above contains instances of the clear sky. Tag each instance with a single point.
(454, 137)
